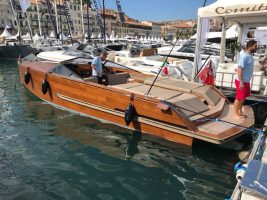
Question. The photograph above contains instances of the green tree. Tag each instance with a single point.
(235, 47)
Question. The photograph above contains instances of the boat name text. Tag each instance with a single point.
(222, 10)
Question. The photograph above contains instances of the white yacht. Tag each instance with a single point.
(149, 62)
(187, 51)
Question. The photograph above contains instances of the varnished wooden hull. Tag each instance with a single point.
(105, 103)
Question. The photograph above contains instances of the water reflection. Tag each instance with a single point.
(132, 144)
(213, 170)
(108, 138)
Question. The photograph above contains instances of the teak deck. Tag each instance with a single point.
(188, 105)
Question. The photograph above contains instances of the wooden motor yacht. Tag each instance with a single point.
(172, 109)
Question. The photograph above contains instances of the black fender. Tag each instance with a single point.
(27, 77)
(45, 86)
(130, 112)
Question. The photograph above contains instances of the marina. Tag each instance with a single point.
(96, 104)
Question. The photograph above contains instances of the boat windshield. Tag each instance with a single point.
(63, 70)
(206, 50)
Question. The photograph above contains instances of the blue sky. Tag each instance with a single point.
(159, 10)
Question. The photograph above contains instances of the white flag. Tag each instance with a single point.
(24, 4)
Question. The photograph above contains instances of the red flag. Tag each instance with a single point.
(165, 70)
(206, 74)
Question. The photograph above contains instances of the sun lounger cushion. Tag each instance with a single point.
(138, 77)
(151, 79)
(210, 95)
(157, 92)
(174, 84)
(189, 104)
(126, 86)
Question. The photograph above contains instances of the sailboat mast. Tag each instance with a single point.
(15, 14)
(29, 26)
(38, 15)
(88, 27)
(81, 2)
(60, 19)
(99, 18)
(104, 22)
(51, 17)
(55, 7)
(68, 19)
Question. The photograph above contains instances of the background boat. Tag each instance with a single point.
(14, 51)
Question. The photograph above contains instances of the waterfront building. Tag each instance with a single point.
(155, 28)
(5, 12)
(45, 27)
(179, 28)
(90, 22)
(60, 16)
(111, 20)
(131, 27)
(41, 24)
(135, 28)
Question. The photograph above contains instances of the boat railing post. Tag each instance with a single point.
(222, 79)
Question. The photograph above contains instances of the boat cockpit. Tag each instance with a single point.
(187, 95)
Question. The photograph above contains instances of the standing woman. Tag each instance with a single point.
(244, 75)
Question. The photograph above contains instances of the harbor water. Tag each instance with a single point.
(47, 153)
